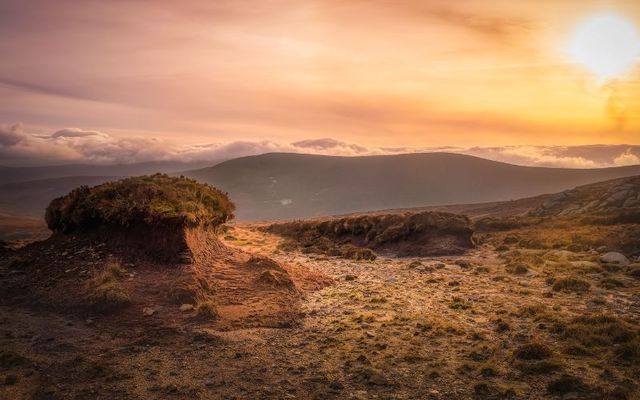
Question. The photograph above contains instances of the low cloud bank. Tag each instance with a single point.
(19, 147)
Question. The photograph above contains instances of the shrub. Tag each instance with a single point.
(144, 199)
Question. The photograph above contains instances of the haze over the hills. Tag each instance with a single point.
(25, 174)
(277, 185)
(287, 185)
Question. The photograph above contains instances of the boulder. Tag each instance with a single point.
(613, 257)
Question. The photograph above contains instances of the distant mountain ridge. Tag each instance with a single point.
(288, 185)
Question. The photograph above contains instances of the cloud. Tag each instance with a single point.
(325, 144)
(11, 135)
(627, 158)
(75, 132)
(497, 27)
(19, 147)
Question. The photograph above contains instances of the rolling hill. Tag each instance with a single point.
(283, 186)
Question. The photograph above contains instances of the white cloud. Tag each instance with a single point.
(627, 158)
(89, 146)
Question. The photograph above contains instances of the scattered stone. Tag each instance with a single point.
(186, 307)
(148, 311)
(350, 277)
(613, 257)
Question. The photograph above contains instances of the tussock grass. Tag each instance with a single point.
(571, 285)
(105, 291)
(533, 351)
(207, 311)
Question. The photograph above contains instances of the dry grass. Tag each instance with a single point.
(207, 311)
(533, 351)
(571, 285)
(144, 199)
(105, 291)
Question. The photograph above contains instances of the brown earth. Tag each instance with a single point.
(402, 235)
(533, 311)
(487, 324)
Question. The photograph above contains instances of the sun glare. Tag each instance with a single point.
(608, 45)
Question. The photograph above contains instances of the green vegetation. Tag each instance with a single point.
(144, 199)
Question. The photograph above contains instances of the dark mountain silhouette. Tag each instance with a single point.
(282, 185)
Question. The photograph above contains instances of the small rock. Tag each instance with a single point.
(613, 257)
(350, 277)
(370, 334)
(148, 311)
(186, 307)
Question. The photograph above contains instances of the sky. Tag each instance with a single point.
(125, 81)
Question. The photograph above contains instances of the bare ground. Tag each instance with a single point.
(439, 327)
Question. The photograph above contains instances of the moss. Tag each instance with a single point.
(144, 199)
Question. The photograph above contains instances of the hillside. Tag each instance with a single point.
(281, 185)
(598, 198)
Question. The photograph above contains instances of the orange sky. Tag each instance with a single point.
(377, 73)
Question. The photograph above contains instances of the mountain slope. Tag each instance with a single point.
(283, 185)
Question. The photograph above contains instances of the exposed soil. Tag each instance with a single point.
(484, 324)
(402, 235)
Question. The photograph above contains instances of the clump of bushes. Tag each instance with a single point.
(105, 291)
(144, 199)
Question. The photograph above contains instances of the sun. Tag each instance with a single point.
(608, 45)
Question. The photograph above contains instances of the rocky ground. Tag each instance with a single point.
(501, 321)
